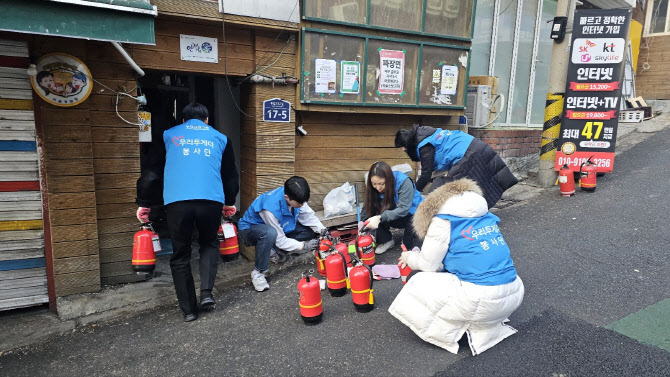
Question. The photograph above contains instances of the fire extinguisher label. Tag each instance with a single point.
(156, 242)
(228, 230)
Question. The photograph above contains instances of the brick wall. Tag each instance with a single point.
(511, 143)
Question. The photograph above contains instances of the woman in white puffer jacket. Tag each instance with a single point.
(469, 283)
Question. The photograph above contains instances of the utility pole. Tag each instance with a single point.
(553, 112)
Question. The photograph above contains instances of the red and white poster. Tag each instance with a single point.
(392, 65)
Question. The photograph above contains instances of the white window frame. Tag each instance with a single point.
(492, 56)
(647, 23)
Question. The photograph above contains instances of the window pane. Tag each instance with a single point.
(352, 11)
(396, 14)
(481, 40)
(523, 61)
(658, 15)
(442, 76)
(322, 78)
(543, 63)
(449, 17)
(504, 48)
(395, 80)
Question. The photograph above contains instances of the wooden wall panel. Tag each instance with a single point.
(68, 159)
(654, 82)
(341, 148)
(268, 154)
(116, 163)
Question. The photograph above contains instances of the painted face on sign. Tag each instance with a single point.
(47, 82)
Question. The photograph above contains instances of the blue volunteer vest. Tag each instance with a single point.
(399, 179)
(477, 251)
(193, 162)
(450, 147)
(274, 202)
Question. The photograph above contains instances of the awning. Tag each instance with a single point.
(128, 21)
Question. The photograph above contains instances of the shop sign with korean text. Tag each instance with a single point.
(593, 89)
(199, 49)
(277, 110)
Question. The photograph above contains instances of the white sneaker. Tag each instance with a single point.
(381, 249)
(259, 282)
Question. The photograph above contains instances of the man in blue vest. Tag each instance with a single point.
(200, 182)
(279, 222)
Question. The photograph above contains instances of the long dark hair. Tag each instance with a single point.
(373, 203)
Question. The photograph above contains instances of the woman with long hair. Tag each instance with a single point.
(391, 200)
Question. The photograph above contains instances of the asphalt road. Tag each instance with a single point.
(586, 261)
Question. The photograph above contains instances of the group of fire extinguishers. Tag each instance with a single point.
(146, 244)
(587, 178)
(344, 267)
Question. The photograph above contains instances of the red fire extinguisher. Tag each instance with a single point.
(587, 176)
(321, 252)
(344, 249)
(365, 248)
(361, 286)
(404, 271)
(566, 181)
(145, 246)
(311, 307)
(229, 247)
(336, 274)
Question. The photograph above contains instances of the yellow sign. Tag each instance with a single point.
(62, 80)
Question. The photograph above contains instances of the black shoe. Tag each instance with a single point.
(190, 317)
(207, 302)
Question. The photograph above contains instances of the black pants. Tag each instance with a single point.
(182, 216)
(409, 239)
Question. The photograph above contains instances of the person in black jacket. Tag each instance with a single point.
(197, 181)
(455, 155)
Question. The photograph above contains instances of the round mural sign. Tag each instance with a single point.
(62, 80)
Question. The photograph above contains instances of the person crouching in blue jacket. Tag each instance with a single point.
(279, 222)
(463, 279)
(391, 200)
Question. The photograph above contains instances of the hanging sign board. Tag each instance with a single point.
(199, 49)
(277, 110)
(593, 89)
(392, 66)
(62, 80)
(350, 72)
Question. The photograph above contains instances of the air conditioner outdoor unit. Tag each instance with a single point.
(345, 12)
(478, 105)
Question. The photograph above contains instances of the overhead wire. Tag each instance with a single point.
(117, 93)
(225, 60)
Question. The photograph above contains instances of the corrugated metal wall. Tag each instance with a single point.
(23, 280)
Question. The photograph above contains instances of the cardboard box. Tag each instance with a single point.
(491, 81)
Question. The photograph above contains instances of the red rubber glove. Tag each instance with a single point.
(229, 211)
(143, 214)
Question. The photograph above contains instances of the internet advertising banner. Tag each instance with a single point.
(593, 89)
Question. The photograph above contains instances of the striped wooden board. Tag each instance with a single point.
(23, 280)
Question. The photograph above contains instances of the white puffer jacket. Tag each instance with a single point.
(438, 306)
